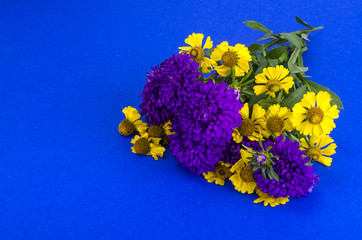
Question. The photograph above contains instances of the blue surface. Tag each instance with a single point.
(67, 68)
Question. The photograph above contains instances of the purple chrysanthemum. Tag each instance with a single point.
(295, 178)
(204, 125)
(166, 88)
(231, 154)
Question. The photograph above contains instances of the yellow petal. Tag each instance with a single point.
(131, 114)
(195, 40)
(309, 99)
(140, 126)
(323, 100)
(330, 150)
(186, 49)
(222, 70)
(208, 43)
(156, 151)
(259, 89)
(325, 160)
(258, 112)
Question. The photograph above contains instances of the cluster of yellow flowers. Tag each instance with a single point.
(312, 119)
(149, 138)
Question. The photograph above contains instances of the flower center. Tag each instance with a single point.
(222, 171)
(142, 146)
(261, 158)
(229, 58)
(274, 85)
(198, 53)
(261, 193)
(246, 174)
(126, 128)
(275, 124)
(156, 131)
(315, 115)
(314, 152)
(247, 127)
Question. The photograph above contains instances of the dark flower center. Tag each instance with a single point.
(315, 115)
(229, 59)
(126, 128)
(247, 127)
(142, 146)
(246, 174)
(156, 131)
(275, 124)
(222, 171)
(198, 53)
(314, 152)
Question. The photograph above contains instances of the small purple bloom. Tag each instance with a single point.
(261, 158)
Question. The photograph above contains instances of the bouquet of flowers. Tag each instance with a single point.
(245, 114)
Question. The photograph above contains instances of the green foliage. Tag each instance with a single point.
(286, 49)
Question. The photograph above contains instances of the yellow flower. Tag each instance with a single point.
(132, 122)
(196, 50)
(276, 120)
(319, 149)
(237, 57)
(242, 178)
(161, 131)
(314, 114)
(222, 172)
(273, 79)
(267, 199)
(250, 127)
(147, 145)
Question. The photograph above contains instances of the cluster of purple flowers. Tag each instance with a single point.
(204, 116)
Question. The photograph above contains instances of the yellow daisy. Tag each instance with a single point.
(276, 120)
(272, 80)
(161, 131)
(319, 149)
(267, 199)
(147, 145)
(242, 178)
(222, 172)
(237, 57)
(132, 122)
(250, 127)
(196, 50)
(314, 115)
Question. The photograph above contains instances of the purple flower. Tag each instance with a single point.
(203, 126)
(231, 154)
(166, 88)
(295, 178)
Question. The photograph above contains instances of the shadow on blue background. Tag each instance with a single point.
(69, 67)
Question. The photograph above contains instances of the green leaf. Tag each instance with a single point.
(256, 48)
(255, 167)
(276, 52)
(315, 87)
(273, 62)
(305, 36)
(257, 26)
(293, 39)
(300, 21)
(275, 176)
(294, 56)
(266, 103)
(294, 97)
(209, 51)
(296, 69)
(256, 98)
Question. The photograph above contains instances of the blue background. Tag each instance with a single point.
(68, 68)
